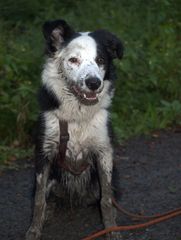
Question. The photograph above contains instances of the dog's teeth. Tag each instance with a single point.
(90, 98)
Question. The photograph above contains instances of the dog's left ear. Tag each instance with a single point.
(113, 45)
(56, 33)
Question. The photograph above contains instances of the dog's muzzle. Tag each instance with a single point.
(89, 96)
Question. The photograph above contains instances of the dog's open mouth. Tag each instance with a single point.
(84, 96)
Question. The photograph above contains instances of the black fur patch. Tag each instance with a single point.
(47, 99)
(57, 34)
(108, 48)
(40, 160)
(112, 45)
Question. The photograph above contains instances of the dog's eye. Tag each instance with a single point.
(73, 60)
(100, 61)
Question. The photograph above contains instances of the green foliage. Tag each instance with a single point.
(11, 153)
(148, 94)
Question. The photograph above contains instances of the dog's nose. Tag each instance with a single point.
(93, 83)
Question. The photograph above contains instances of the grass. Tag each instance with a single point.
(148, 94)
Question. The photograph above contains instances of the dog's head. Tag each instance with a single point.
(84, 58)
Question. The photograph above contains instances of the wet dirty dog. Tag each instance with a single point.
(77, 88)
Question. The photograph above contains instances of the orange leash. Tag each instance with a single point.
(141, 217)
(155, 219)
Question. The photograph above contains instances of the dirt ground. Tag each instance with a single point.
(148, 180)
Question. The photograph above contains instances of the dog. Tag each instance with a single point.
(75, 96)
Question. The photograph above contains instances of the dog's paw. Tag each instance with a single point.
(114, 236)
(33, 234)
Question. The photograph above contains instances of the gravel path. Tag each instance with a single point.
(147, 177)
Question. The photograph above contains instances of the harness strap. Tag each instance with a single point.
(63, 140)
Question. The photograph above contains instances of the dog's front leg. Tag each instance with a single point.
(105, 165)
(35, 229)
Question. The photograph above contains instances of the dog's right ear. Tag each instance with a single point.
(56, 33)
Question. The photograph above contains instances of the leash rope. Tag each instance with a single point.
(155, 220)
(142, 217)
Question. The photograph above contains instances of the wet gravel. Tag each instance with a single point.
(147, 178)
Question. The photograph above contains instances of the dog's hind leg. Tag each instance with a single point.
(35, 229)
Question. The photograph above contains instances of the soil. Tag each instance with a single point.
(147, 179)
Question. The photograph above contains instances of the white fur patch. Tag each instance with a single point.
(39, 178)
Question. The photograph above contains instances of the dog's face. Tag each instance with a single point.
(83, 58)
(84, 70)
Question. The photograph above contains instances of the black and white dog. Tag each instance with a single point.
(77, 88)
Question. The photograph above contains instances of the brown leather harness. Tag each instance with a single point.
(61, 160)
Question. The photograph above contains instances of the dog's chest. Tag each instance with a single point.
(78, 144)
(78, 159)
(84, 135)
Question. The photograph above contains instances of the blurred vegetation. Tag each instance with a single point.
(148, 94)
